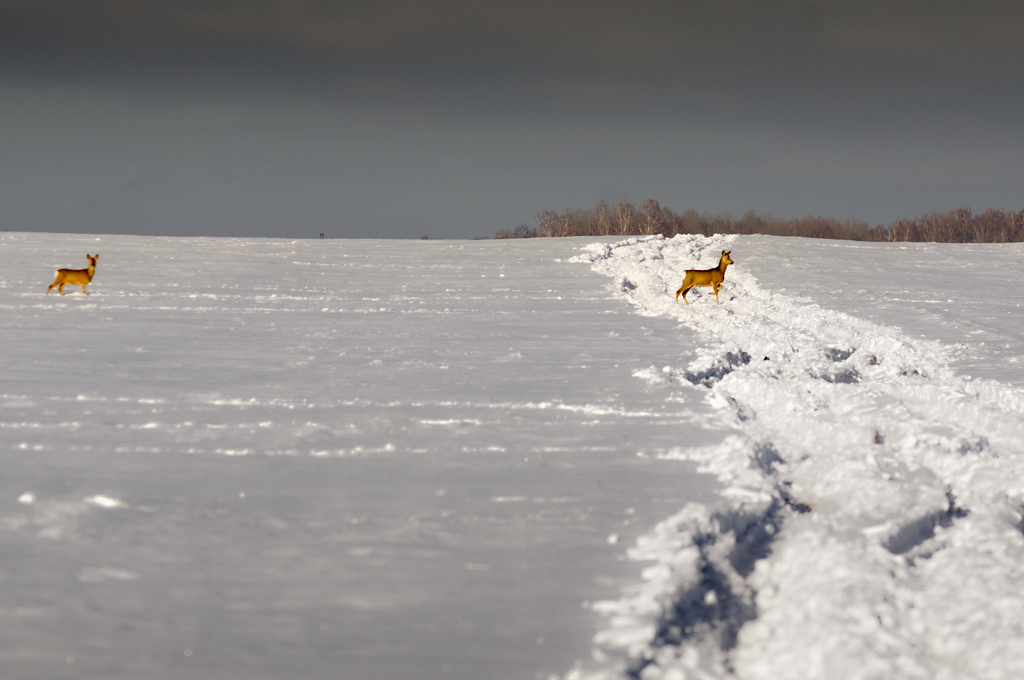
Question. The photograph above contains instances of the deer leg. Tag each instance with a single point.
(60, 289)
(687, 285)
(83, 290)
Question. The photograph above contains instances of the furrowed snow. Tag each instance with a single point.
(872, 526)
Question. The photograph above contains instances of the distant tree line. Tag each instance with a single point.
(959, 225)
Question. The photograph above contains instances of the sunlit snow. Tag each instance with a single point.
(366, 459)
(872, 526)
(324, 459)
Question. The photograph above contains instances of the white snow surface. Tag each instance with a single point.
(873, 522)
(270, 458)
(257, 458)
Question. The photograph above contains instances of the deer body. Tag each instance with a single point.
(76, 277)
(705, 277)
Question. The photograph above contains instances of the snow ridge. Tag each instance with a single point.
(874, 522)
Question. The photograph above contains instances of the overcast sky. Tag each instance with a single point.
(398, 118)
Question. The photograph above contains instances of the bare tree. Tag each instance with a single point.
(625, 215)
(959, 225)
(652, 219)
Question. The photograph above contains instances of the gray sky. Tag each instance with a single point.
(455, 119)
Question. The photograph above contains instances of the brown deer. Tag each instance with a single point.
(76, 277)
(705, 277)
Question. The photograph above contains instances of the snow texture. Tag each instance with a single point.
(255, 458)
(873, 521)
(270, 458)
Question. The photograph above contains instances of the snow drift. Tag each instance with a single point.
(873, 522)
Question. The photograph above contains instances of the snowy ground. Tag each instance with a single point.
(966, 296)
(880, 483)
(337, 459)
(358, 459)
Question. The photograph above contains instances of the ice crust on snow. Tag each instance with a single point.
(872, 526)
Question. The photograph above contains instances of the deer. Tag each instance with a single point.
(76, 277)
(705, 277)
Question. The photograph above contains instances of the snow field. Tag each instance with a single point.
(873, 527)
(967, 296)
(260, 458)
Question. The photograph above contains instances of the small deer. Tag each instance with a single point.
(705, 277)
(76, 277)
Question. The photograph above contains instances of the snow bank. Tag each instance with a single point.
(873, 523)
